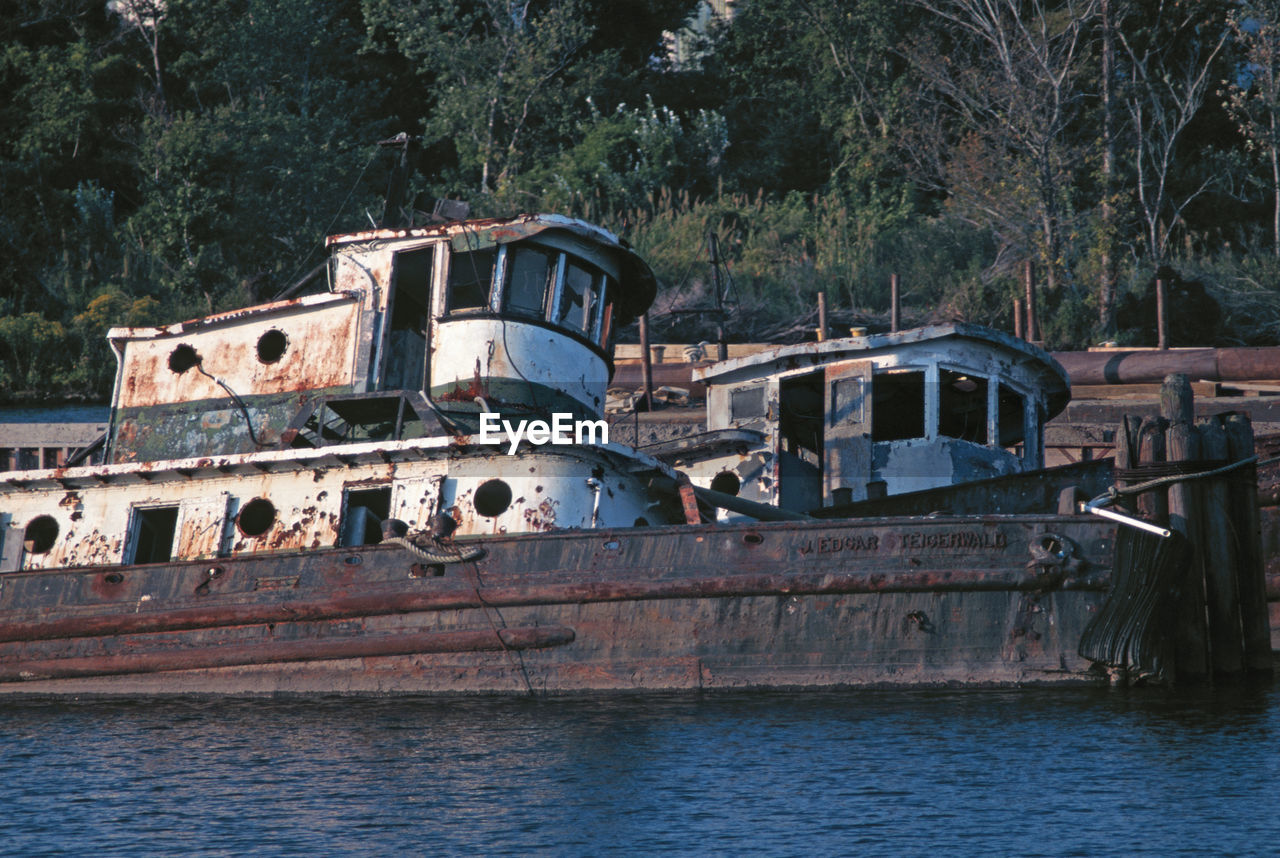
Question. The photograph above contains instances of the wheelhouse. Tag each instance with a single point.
(823, 424)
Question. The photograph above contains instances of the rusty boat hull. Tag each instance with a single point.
(904, 601)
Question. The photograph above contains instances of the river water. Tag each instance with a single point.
(1019, 772)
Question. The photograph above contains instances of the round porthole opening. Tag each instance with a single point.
(256, 517)
(271, 346)
(727, 483)
(492, 498)
(40, 535)
(183, 358)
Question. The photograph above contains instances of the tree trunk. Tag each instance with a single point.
(1275, 188)
(1107, 286)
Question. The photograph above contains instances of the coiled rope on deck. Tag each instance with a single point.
(440, 553)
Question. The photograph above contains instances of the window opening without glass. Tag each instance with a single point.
(897, 405)
(1011, 410)
(962, 406)
(152, 534)
(366, 509)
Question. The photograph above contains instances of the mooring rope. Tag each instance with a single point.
(444, 554)
(1117, 491)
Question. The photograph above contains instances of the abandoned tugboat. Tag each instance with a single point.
(403, 484)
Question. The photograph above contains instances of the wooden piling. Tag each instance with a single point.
(1153, 505)
(822, 316)
(1255, 619)
(1127, 456)
(895, 302)
(646, 365)
(1162, 320)
(1191, 634)
(1030, 285)
(1226, 645)
(1017, 318)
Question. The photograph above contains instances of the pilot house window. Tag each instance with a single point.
(469, 277)
(897, 405)
(1011, 416)
(962, 406)
(534, 282)
(577, 299)
(532, 271)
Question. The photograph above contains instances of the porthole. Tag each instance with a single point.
(41, 533)
(271, 346)
(256, 517)
(183, 358)
(492, 498)
(727, 483)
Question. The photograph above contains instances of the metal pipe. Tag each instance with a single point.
(1129, 520)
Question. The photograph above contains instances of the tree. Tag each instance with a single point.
(66, 122)
(504, 77)
(1253, 90)
(1004, 78)
(816, 96)
(1169, 55)
(266, 130)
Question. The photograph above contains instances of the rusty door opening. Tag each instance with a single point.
(800, 441)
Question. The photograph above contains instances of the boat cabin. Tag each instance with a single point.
(824, 424)
(438, 323)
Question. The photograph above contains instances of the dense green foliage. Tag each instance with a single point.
(161, 159)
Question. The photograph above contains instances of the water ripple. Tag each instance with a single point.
(1032, 772)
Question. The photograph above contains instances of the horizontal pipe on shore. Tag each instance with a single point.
(1135, 366)
(400, 602)
(1147, 366)
(271, 652)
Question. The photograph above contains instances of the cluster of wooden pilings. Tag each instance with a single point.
(1220, 624)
